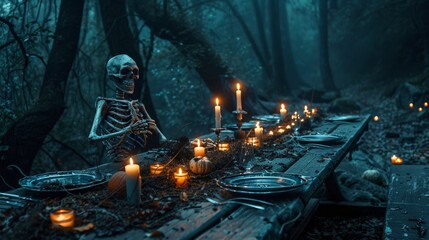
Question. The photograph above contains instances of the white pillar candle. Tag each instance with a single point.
(133, 182)
(199, 151)
(238, 95)
(258, 131)
(283, 112)
(218, 116)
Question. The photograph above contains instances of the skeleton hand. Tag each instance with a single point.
(143, 126)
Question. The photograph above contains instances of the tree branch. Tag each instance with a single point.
(16, 37)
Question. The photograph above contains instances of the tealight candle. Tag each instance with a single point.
(181, 177)
(258, 131)
(223, 147)
(156, 168)
(420, 109)
(218, 115)
(199, 151)
(376, 118)
(281, 130)
(133, 180)
(289, 127)
(283, 112)
(63, 217)
(271, 133)
(238, 95)
(425, 104)
(411, 105)
(396, 160)
(253, 141)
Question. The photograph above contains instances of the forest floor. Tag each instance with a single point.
(402, 131)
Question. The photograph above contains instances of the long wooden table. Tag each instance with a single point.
(275, 222)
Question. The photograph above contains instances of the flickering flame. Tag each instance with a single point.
(394, 158)
(180, 171)
(420, 109)
(283, 106)
(198, 142)
(376, 118)
(217, 101)
(238, 86)
(425, 104)
(305, 108)
(271, 133)
(288, 127)
(131, 161)
(411, 105)
(257, 124)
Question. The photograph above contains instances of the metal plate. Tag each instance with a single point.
(320, 138)
(345, 118)
(274, 118)
(262, 182)
(62, 181)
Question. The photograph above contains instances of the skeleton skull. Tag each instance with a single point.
(124, 71)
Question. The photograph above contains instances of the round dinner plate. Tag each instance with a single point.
(262, 182)
(346, 118)
(319, 138)
(62, 181)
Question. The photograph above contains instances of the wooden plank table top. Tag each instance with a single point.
(236, 222)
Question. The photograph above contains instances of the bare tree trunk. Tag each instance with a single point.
(169, 24)
(325, 67)
(25, 137)
(121, 41)
(261, 32)
(280, 84)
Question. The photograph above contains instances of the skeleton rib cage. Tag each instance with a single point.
(117, 115)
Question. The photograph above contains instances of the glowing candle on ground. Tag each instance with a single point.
(181, 177)
(63, 217)
(283, 112)
(271, 133)
(411, 105)
(223, 147)
(238, 95)
(156, 168)
(258, 131)
(133, 182)
(396, 160)
(376, 118)
(199, 151)
(420, 109)
(281, 130)
(218, 116)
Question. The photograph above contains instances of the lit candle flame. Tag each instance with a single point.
(131, 161)
(420, 109)
(238, 86)
(411, 105)
(271, 133)
(198, 143)
(305, 108)
(217, 101)
(257, 124)
(425, 104)
(283, 106)
(180, 171)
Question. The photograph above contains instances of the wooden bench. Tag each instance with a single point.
(407, 215)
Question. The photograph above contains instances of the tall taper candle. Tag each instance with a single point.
(218, 115)
(238, 94)
(133, 182)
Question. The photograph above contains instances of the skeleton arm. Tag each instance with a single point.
(93, 136)
(162, 138)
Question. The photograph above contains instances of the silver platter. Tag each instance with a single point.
(319, 138)
(274, 118)
(345, 118)
(62, 181)
(262, 182)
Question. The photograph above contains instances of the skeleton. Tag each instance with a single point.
(124, 126)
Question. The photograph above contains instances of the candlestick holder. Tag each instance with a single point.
(239, 134)
(217, 131)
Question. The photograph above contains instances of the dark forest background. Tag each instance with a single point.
(53, 57)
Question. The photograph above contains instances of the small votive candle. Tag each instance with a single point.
(396, 160)
(63, 217)
(425, 104)
(199, 151)
(420, 109)
(281, 130)
(181, 177)
(253, 141)
(156, 168)
(223, 147)
(289, 127)
(411, 105)
(271, 133)
(376, 118)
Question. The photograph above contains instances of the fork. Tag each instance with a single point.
(216, 202)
